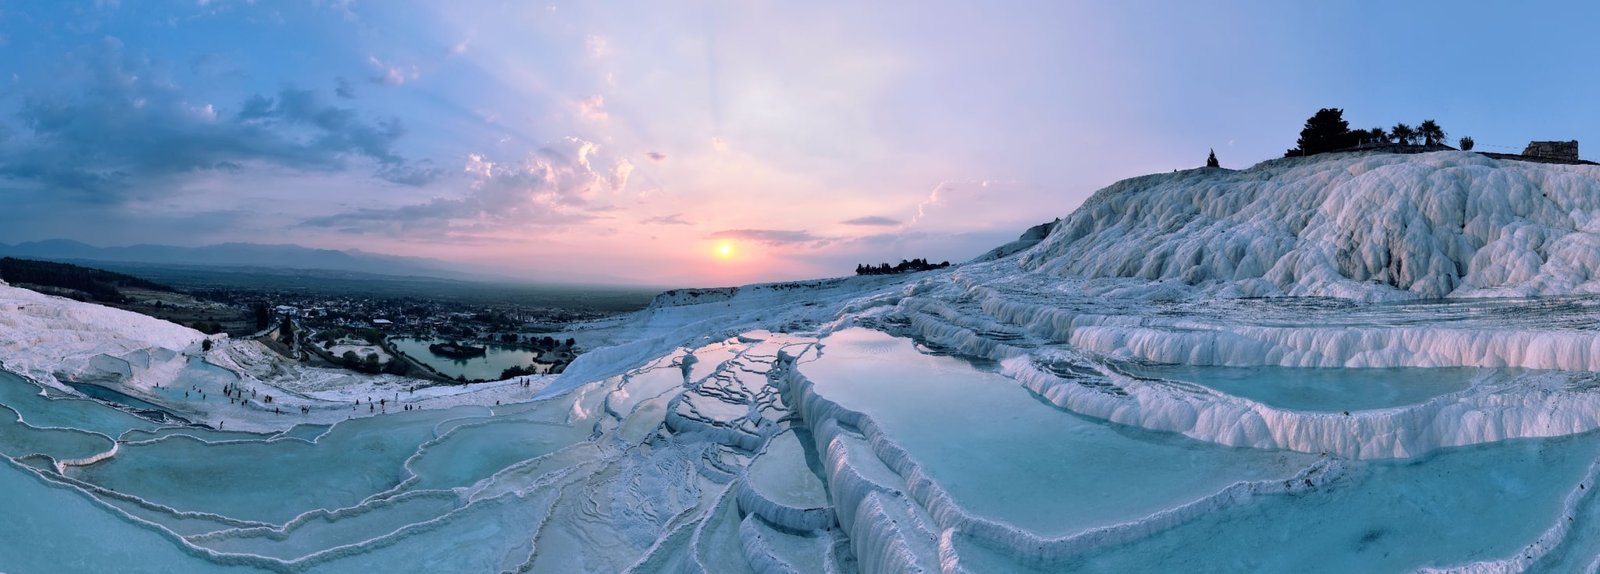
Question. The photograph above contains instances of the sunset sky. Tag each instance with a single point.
(710, 143)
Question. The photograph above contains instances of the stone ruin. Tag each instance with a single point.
(1566, 151)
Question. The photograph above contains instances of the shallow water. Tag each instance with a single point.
(649, 467)
(1473, 503)
(1004, 454)
(487, 367)
(1324, 390)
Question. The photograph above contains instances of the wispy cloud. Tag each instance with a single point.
(673, 219)
(343, 89)
(128, 132)
(593, 108)
(873, 220)
(557, 185)
(597, 46)
(936, 195)
(774, 236)
(390, 74)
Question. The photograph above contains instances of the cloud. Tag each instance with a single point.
(773, 236)
(873, 220)
(391, 74)
(673, 219)
(214, 65)
(127, 132)
(593, 108)
(343, 89)
(935, 197)
(460, 48)
(597, 46)
(560, 184)
(657, 156)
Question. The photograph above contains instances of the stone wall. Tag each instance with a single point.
(1567, 150)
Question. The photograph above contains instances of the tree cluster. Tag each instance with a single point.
(207, 327)
(99, 285)
(518, 371)
(262, 313)
(1328, 131)
(548, 343)
(372, 364)
(905, 266)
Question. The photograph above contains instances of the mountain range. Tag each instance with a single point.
(280, 256)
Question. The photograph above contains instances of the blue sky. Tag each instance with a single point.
(632, 139)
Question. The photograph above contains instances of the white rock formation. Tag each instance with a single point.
(1360, 226)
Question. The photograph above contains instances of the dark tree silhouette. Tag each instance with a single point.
(1378, 136)
(1431, 133)
(263, 315)
(905, 266)
(1466, 143)
(1211, 161)
(1403, 134)
(1325, 131)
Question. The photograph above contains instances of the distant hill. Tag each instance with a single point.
(257, 257)
(1363, 226)
(80, 282)
(238, 255)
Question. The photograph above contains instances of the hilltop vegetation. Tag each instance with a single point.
(1327, 131)
(81, 283)
(905, 266)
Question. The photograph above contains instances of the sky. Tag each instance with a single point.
(707, 143)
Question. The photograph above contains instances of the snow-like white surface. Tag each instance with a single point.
(1006, 414)
(1361, 226)
(43, 336)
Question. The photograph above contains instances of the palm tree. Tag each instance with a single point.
(1403, 134)
(1378, 135)
(1431, 133)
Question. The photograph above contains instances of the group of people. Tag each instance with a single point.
(379, 406)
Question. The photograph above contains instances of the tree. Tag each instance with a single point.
(1431, 133)
(1466, 143)
(263, 315)
(1378, 135)
(1324, 132)
(286, 331)
(396, 367)
(1403, 134)
(1211, 161)
(205, 346)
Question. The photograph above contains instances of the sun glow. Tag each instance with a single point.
(724, 250)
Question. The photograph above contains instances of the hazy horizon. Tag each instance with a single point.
(707, 143)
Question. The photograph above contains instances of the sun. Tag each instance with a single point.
(725, 250)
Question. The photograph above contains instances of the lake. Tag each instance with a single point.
(487, 367)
